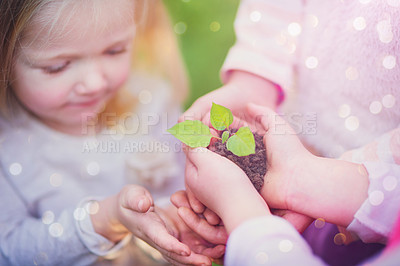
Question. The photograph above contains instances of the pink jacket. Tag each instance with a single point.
(338, 63)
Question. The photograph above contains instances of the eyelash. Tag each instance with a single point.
(116, 51)
(59, 68)
(55, 69)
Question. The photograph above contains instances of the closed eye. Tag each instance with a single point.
(57, 68)
(116, 51)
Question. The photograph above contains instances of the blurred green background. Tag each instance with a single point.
(205, 33)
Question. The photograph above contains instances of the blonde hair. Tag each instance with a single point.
(14, 17)
(155, 48)
(156, 51)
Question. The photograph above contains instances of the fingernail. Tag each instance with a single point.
(140, 204)
(185, 253)
(199, 149)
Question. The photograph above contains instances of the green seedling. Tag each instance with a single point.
(196, 134)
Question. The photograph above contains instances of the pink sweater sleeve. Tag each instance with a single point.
(374, 221)
(266, 32)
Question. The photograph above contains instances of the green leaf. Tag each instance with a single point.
(221, 117)
(242, 143)
(225, 136)
(192, 132)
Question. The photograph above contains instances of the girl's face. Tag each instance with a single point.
(67, 71)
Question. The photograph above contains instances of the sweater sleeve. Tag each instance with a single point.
(375, 219)
(268, 240)
(266, 38)
(47, 240)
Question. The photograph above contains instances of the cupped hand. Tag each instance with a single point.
(287, 158)
(209, 239)
(213, 232)
(153, 225)
(223, 187)
(299, 181)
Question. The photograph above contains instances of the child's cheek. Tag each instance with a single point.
(121, 75)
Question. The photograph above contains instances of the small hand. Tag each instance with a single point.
(223, 187)
(299, 181)
(198, 244)
(286, 156)
(154, 226)
(213, 233)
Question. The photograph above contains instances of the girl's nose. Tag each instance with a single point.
(93, 80)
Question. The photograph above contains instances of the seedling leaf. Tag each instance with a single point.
(242, 143)
(225, 136)
(192, 132)
(220, 117)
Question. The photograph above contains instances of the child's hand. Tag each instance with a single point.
(209, 228)
(201, 240)
(211, 235)
(132, 210)
(223, 187)
(299, 181)
(285, 155)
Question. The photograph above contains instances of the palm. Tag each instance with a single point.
(200, 246)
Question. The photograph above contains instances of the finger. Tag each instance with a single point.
(179, 199)
(192, 259)
(195, 204)
(261, 115)
(195, 112)
(185, 148)
(189, 115)
(299, 221)
(169, 224)
(206, 119)
(202, 157)
(271, 121)
(211, 217)
(212, 234)
(214, 252)
(191, 173)
(166, 242)
(136, 198)
(238, 123)
(215, 133)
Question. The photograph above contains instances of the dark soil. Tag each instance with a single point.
(254, 165)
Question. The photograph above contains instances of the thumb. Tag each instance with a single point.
(136, 198)
(191, 177)
(192, 113)
(202, 157)
(269, 120)
(261, 115)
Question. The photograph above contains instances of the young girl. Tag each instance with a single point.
(79, 154)
(338, 64)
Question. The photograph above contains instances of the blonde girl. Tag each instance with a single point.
(85, 165)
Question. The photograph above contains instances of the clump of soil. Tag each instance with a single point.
(254, 165)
